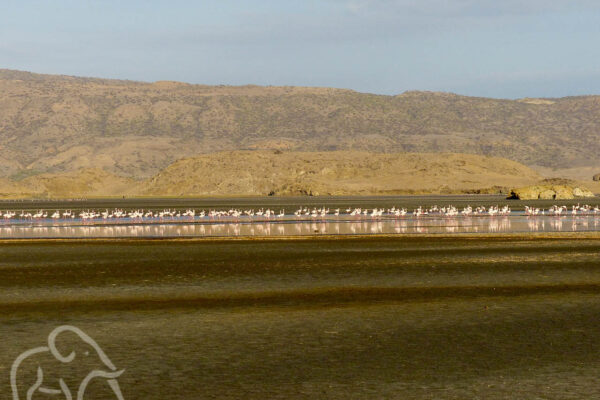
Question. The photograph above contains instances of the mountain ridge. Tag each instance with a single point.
(56, 124)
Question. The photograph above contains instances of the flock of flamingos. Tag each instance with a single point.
(302, 213)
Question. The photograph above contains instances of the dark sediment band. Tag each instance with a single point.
(296, 298)
(583, 235)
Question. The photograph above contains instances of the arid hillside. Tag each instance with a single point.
(53, 124)
(72, 184)
(336, 173)
(273, 172)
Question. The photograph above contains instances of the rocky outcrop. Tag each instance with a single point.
(582, 192)
(549, 192)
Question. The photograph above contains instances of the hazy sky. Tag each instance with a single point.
(497, 48)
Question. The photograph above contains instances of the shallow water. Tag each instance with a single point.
(357, 318)
(290, 227)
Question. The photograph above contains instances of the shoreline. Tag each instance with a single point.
(591, 235)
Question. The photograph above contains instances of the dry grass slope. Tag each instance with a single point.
(335, 173)
(295, 173)
(74, 184)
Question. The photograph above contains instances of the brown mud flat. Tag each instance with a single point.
(453, 317)
(339, 297)
(575, 236)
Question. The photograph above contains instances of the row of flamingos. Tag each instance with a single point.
(584, 209)
(300, 213)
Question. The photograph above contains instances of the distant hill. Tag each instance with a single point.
(53, 124)
(261, 173)
(336, 173)
(72, 184)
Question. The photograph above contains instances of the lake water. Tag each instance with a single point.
(358, 316)
(289, 227)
